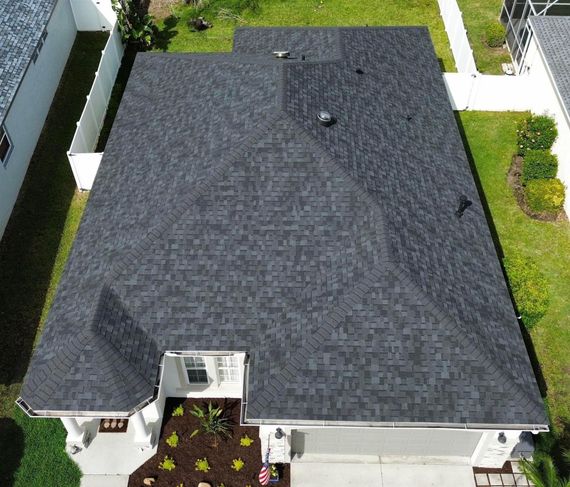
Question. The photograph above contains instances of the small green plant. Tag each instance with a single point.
(213, 422)
(237, 464)
(221, 485)
(529, 287)
(194, 433)
(545, 195)
(178, 411)
(495, 34)
(539, 164)
(245, 440)
(172, 440)
(202, 465)
(536, 132)
(273, 471)
(167, 464)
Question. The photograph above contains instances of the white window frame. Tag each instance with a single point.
(227, 364)
(194, 358)
(5, 136)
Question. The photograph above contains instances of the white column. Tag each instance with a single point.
(495, 448)
(280, 447)
(75, 433)
(143, 434)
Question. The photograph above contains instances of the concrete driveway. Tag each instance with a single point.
(380, 475)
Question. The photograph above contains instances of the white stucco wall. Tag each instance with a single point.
(29, 109)
(544, 99)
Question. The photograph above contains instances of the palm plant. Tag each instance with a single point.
(542, 471)
(213, 422)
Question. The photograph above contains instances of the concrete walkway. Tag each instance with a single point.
(104, 481)
(380, 475)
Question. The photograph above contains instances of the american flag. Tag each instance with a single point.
(264, 474)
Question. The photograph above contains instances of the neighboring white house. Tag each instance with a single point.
(303, 233)
(35, 40)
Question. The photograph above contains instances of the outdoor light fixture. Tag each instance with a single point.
(279, 433)
(502, 438)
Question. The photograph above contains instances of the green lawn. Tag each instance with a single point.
(476, 15)
(178, 37)
(491, 140)
(33, 252)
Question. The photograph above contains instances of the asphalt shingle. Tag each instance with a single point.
(225, 217)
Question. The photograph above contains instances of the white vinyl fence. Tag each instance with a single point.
(84, 162)
(453, 21)
(93, 15)
(486, 92)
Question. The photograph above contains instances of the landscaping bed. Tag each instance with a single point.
(192, 446)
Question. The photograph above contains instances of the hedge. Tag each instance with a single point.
(545, 195)
(539, 164)
(536, 132)
(495, 34)
(529, 287)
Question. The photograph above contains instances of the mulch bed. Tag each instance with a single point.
(506, 468)
(514, 179)
(200, 446)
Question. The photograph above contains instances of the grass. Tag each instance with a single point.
(491, 140)
(176, 36)
(477, 14)
(33, 252)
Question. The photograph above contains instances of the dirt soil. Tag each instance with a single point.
(161, 9)
(200, 446)
(514, 180)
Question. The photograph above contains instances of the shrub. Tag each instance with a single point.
(536, 132)
(167, 464)
(545, 195)
(529, 287)
(172, 440)
(539, 164)
(213, 422)
(237, 464)
(245, 441)
(179, 411)
(202, 465)
(495, 34)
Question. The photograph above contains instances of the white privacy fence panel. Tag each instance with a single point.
(487, 92)
(453, 21)
(94, 15)
(80, 154)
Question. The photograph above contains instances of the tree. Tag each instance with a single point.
(542, 472)
(213, 422)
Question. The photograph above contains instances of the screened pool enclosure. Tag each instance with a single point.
(514, 16)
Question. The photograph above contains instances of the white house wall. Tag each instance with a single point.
(544, 99)
(175, 383)
(29, 109)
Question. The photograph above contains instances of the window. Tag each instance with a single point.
(196, 370)
(227, 369)
(5, 146)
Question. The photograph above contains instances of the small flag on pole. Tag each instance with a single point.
(264, 474)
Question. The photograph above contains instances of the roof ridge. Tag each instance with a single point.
(196, 192)
(468, 341)
(277, 382)
(61, 365)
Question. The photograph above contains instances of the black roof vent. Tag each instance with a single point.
(325, 118)
(359, 71)
(281, 54)
(464, 203)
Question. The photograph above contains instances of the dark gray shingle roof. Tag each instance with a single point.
(553, 36)
(22, 23)
(224, 217)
